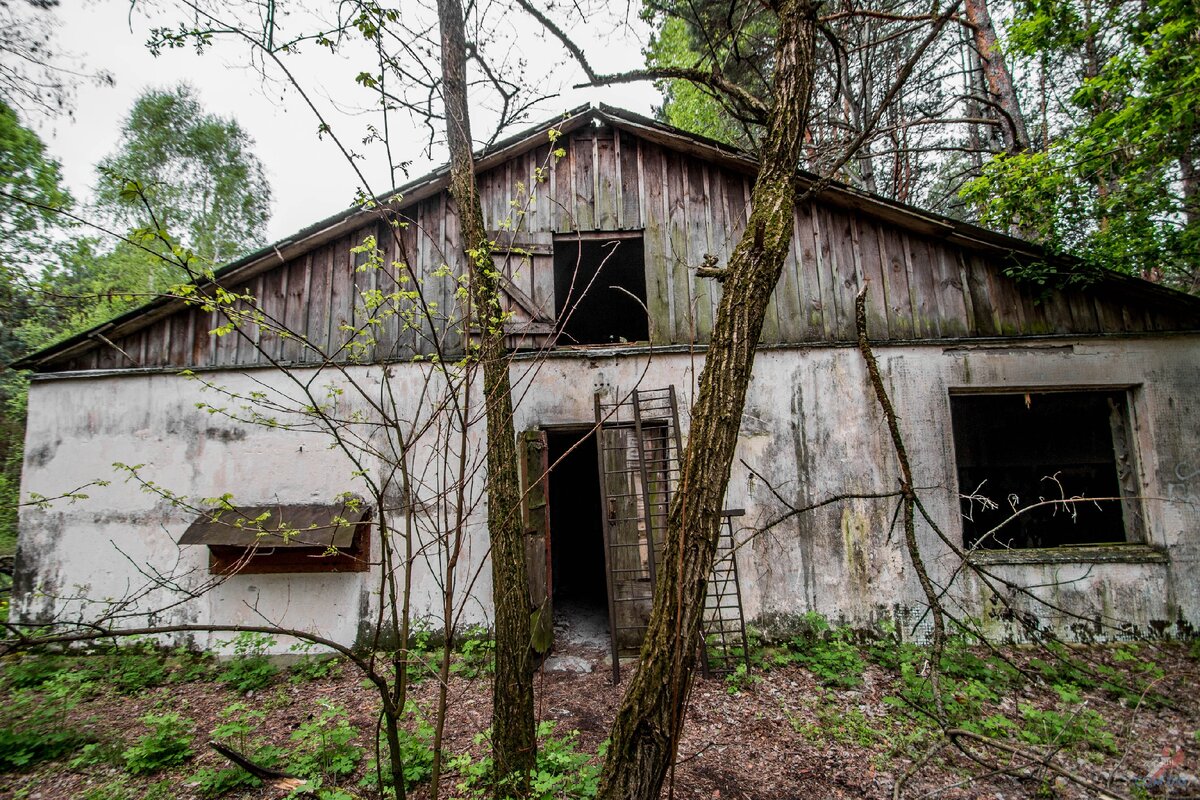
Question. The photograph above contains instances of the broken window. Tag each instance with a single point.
(1045, 469)
(600, 288)
(284, 538)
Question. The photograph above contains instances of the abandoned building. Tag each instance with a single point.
(1010, 397)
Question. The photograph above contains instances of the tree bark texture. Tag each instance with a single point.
(650, 717)
(998, 78)
(513, 739)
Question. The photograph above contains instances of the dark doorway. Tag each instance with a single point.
(600, 289)
(576, 536)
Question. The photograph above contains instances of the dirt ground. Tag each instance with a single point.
(780, 736)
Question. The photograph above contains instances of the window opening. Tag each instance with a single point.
(600, 290)
(1024, 450)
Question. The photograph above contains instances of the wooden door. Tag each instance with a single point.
(535, 510)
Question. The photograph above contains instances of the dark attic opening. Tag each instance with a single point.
(580, 593)
(600, 288)
(1063, 457)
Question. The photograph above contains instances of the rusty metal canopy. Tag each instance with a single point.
(291, 526)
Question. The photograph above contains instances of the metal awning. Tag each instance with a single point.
(291, 526)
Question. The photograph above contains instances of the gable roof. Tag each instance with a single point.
(433, 183)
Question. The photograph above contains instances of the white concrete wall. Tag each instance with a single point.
(811, 430)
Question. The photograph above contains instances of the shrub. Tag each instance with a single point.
(33, 731)
(476, 653)
(326, 748)
(250, 668)
(136, 666)
(168, 744)
(23, 746)
(311, 667)
(828, 653)
(416, 753)
(561, 770)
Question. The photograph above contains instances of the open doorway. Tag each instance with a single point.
(577, 539)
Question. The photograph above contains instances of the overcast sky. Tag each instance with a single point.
(309, 177)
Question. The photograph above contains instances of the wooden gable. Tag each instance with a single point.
(931, 278)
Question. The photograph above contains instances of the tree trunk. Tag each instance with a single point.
(513, 740)
(999, 79)
(1189, 171)
(650, 718)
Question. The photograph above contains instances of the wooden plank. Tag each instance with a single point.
(296, 302)
(247, 350)
(1010, 316)
(542, 277)
(562, 186)
(788, 302)
(895, 274)
(202, 338)
(696, 210)
(525, 242)
(631, 182)
(225, 353)
(341, 284)
(811, 307)
(608, 187)
(106, 356)
(866, 253)
(675, 197)
(1109, 315)
(316, 328)
(1083, 312)
(365, 282)
(584, 171)
(952, 305)
(846, 279)
(700, 244)
(922, 287)
(541, 217)
(954, 256)
(716, 220)
(444, 244)
(137, 348)
(181, 341)
(655, 205)
(1056, 313)
(406, 310)
(388, 329)
(823, 269)
(275, 307)
(122, 356)
(986, 316)
(162, 333)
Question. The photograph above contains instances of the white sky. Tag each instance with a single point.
(309, 177)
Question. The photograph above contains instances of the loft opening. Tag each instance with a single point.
(1063, 456)
(600, 288)
(578, 582)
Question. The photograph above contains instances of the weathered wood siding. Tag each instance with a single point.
(687, 206)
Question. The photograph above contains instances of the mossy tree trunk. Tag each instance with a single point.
(513, 739)
(651, 714)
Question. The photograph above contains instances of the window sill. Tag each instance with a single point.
(1090, 554)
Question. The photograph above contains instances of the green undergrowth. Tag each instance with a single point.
(562, 770)
(1041, 696)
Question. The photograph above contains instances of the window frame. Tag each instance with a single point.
(576, 239)
(255, 559)
(1136, 547)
